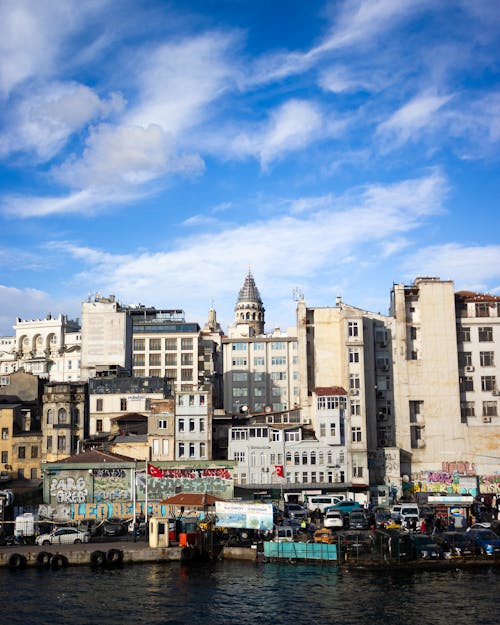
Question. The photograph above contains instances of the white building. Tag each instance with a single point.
(193, 424)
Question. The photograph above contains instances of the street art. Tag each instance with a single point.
(112, 485)
(489, 484)
(216, 481)
(99, 511)
(66, 488)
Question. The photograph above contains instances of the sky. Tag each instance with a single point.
(158, 150)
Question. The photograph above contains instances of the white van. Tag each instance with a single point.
(322, 501)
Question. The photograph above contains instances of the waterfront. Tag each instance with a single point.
(246, 593)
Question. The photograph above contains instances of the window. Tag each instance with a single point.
(156, 446)
(180, 425)
(239, 346)
(34, 452)
(353, 354)
(239, 362)
(61, 443)
(489, 408)
(155, 360)
(162, 424)
(191, 450)
(181, 450)
(171, 345)
(467, 383)
(5, 434)
(203, 451)
(487, 359)
(355, 407)
(482, 309)
(239, 377)
(33, 473)
(155, 373)
(488, 383)
(138, 345)
(257, 361)
(330, 402)
(278, 345)
(186, 359)
(154, 345)
(123, 403)
(171, 374)
(171, 360)
(191, 425)
(186, 374)
(49, 443)
(202, 425)
(258, 346)
(186, 344)
(278, 360)
(98, 425)
(413, 333)
(191, 400)
(333, 429)
(322, 429)
(467, 409)
(278, 375)
(352, 329)
(465, 359)
(485, 334)
(463, 335)
(20, 474)
(356, 434)
(164, 446)
(354, 382)
(5, 457)
(98, 405)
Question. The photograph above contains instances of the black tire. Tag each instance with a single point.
(43, 559)
(46, 542)
(114, 557)
(58, 561)
(78, 541)
(17, 561)
(98, 558)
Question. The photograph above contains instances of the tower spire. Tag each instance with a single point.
(249, 309)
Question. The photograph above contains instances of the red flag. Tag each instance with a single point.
(279, 470)
(154, 471)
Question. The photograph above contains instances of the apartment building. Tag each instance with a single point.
(193, 424)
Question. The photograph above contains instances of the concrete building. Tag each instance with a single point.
(161, 429)
(106, 336)
(193, 424)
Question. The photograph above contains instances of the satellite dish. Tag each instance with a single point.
(268, 408)
(243, 409)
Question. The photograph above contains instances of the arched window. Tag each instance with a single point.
(304, 457)
(76, 416)
(248, 315)
(296, 458)
(62, 415)
(50, 416)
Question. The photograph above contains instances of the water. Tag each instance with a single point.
(241, 593)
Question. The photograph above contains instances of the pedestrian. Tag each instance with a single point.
(423, 526)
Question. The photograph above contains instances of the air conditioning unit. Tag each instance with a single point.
(486, 419)
(495, 392)
(306, 421)
(354, 391)
(469, 368)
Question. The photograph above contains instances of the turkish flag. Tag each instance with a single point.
(154, 471)
(279, 470)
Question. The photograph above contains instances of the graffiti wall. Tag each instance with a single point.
(69, 487)
(100, 485)
(454, 478)
(217, 481)
(98, 511)
(112, 485)
(489, 484)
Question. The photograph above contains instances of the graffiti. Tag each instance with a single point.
(459, 468)
(440, 477)
(69, 489)
(107, 473)
(489, 483)
(116, 494)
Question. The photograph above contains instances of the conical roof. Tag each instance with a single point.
(249, 292)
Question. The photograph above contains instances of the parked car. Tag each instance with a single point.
(382, 517)
(486, 541)
(324, 536)
(63, 536)
(344, 506)
(295, 511)
(455, 544)
(356, 542)
(114, 527)
(425, 547)
(322, 501)
(358, 520)
(334, 519)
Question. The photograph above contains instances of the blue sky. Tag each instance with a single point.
(156, 150)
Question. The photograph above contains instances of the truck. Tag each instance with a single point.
(24, 526)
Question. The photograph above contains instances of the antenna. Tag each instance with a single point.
(297, 294)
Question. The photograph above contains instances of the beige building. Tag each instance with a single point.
(161, 429)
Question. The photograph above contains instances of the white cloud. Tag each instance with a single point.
(24, 303)
(472, 267)
(418, 116)
(45, 119)
(177, 82)
(293, 126)
(306, 245)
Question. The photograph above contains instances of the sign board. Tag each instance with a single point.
(256, 516)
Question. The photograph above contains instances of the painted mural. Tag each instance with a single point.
(112, 485)
(62, 513)
(69, 487)
(216, 481)
(454, 478)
